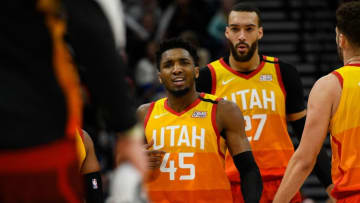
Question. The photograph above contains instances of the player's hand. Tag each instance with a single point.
(154, 156)
(130, 148)
(328, 191)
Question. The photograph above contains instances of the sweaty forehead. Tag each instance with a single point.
(175, 54)
(242, 18)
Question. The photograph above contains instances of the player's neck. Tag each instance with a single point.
(247, 66)
(351, 57)
(179, 104)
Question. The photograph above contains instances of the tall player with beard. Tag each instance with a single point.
(269, 93)
(194, 129)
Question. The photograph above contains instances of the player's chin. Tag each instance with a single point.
(180, 91)
(242, 53)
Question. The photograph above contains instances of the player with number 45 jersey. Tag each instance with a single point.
(188, 134)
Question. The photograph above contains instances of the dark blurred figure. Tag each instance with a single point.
(146, 76)
(139, 33)
(216, 28)
(40, 101)
(202, 52)
(144, 6)
(184, 15)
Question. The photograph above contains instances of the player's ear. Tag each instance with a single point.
(197, 70)
(261, 32)
(227, 32)
(340, 38)
(343, 41)
(159, 78)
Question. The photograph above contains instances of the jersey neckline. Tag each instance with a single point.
(353, 64)
(192, 105)
(242, 75)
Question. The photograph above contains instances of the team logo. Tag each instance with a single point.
(266, 77)
(199, 114)
(159, 115)
(94, 184)
(224, 82)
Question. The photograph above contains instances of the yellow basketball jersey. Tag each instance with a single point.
(80, 146)
(261, 97)
(345, 134)
(192, 169)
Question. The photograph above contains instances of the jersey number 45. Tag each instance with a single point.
(172, 169)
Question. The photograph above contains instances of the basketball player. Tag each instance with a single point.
(333, 106)
(194, 130)
(268, 92)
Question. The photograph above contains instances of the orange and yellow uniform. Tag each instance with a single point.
(345, 135)
(192, 169)
(261, 97)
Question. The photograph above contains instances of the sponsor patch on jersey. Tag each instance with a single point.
(266, 77)
(199, 114)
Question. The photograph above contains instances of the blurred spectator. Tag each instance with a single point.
(183, 15)
(216, 29)
(138, 9)
(203, 53)
(139, 33)
(146, 75)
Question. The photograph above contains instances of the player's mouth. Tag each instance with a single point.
(178, 81)
(242, 47)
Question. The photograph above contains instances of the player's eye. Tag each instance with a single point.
(184, 62)
(167, 65)
(249, 29)
(234, 29)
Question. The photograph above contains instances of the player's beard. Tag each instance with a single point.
(179, 93)
(248, 55)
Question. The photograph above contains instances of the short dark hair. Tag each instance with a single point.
(348, 21)
(175, 43)
(246, 7)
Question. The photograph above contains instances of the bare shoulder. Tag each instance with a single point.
(328, 84)
(142, 111)
(87, 140)
(326, 93)
(329, 79)
(228, 115)
(228, 107)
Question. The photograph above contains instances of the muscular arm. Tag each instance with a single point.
(322, 167)
(154, 156)
(141, 112)
(91, 170)
(321, 101)
(91, 163)
(296, 112)
(230, 121)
